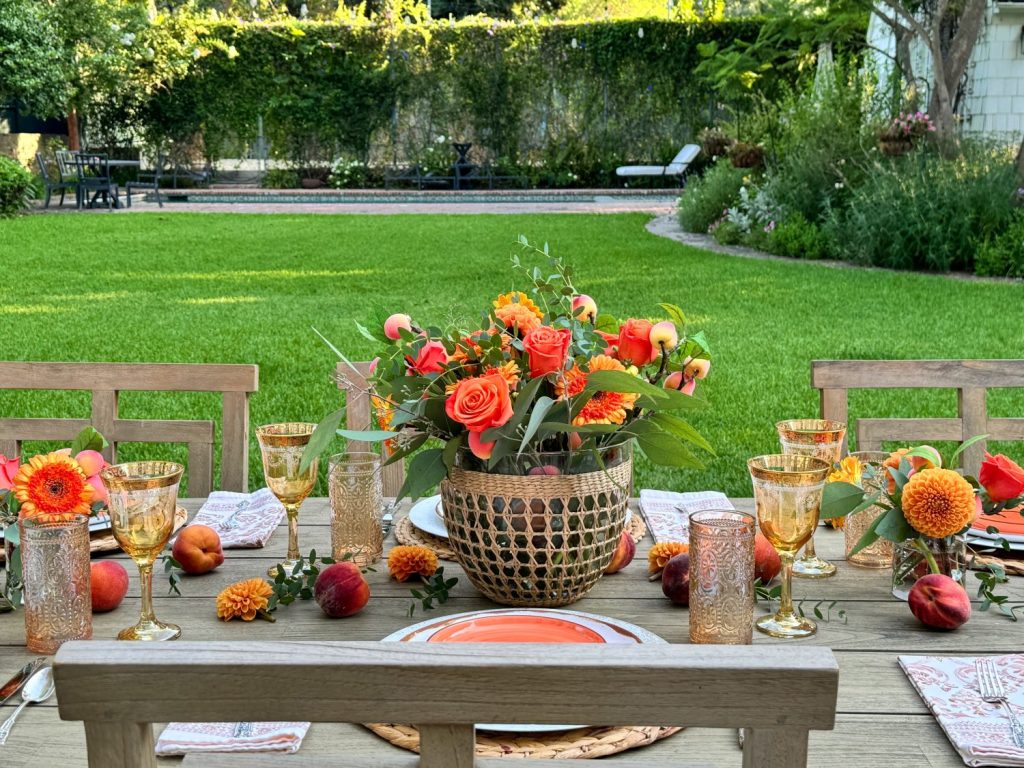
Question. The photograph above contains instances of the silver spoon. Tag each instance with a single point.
(38, 689)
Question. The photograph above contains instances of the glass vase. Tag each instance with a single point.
(357, 506)
(722, 577)
(915, 558)
(878, 554)
(55, 572)
(10, 595)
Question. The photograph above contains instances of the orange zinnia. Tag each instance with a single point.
(938, 502)
(405, 561)
(603, 407)
(52, 487)
(662, 552)
(517, 310)
(244, 600)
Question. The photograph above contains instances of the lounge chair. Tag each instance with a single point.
(676, 168)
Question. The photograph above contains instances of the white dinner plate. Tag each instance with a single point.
(982, 539)
(599, 629)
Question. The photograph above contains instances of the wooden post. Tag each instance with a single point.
(775, 748)
(972, 410)
(104, 413)
(234, 456)
(447, 746)
(119, 745)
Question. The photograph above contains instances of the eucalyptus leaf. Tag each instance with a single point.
(426, 470)
(367, 435)
(840, 499)
(322, 436)
(540, 410)
(682, 429)
(665, 449)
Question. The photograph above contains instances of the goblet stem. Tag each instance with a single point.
(809, 553)
(786, 595)
(293, 531)
(147, 616)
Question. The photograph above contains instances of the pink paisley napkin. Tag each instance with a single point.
(255, 523)
(668, 513)
(182, 738)
(980, 732)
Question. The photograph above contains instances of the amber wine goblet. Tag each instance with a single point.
(143, 496)
(281, 446)
(787, 494)
(822, 439)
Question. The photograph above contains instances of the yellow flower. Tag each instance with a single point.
(403, 562)
(517, 310)
(662, 552)
(244, 600)
(52, 487)
(938, 502)
(603, 407)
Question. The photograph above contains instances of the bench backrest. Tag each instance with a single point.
(119, 689)
(356, 386)
(970, 378)
(107, 380)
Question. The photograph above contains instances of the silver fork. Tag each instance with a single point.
(992, 691)
(231, 521)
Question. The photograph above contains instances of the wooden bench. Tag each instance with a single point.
(356, 386)
(107, 380)
(971, 378)
(118, 689)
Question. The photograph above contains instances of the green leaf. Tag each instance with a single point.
(702, 340)
(963, 446)
(366, 435)
(675, 314)
(840, 499)
(663, 448)
(523, 401)
(583, 429)
(926, 452)
(88, 440)
(620, 381)
(321, 438)
(426, 470)
(894, 526)
(451, 448)
(540, 410)
(682, 429)
(674, 400)
(607, 323)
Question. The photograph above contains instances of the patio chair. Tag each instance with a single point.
(54, 184)
(444, 689)
(93, 171)
(107, 381)
(355, 385)
(148, 180)
(677, 168)
(970, 378)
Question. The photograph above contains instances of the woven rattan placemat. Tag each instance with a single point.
(407, 533)
(582, 743)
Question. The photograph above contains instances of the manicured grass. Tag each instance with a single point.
(234, 288)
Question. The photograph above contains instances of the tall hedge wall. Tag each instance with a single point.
(580, 96)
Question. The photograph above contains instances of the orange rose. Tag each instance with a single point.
(610, 340)
(635, 343)
(480, 403)
(1001, 477)
(430, 359)
(548, 349)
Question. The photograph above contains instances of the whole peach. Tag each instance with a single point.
(675, 580)
(109, 584)
(544, 469)
(676, 381)
(767, 563)
(197, 549)
(394, 323)
(341, 590)
(939, 602)
(623, 555)
(664, 336)
(696, 369)
(585, 308)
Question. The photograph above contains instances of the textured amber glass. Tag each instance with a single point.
(879, 554)
(55, 570)
(357, 504)
(822, 439)
(281, 447)
(722, 577)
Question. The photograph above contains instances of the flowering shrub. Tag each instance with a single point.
(914, 125)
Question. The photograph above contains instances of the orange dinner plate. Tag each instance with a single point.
(516, 628)
(1008, 521)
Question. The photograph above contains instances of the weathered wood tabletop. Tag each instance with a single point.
(881, 722)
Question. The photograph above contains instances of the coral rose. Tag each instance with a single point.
(611, 341)
(1002, 478)
(8, 469)
(430, 359)
(480, 403)
(480, 448)
(938, 502)
(548, 349)
(635, 342)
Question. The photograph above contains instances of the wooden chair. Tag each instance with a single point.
(119, 689)
(971, 378)
(107, 380)
(356, 387)
(53, 184)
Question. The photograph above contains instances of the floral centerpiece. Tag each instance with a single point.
(527, 421)
(52, 486)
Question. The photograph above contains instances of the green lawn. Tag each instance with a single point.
(240, 288)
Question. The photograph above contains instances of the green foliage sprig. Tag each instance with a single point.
(437, 587)
(988, 581)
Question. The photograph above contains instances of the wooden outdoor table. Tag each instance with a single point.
(881, 722)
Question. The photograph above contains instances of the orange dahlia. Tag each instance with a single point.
(938, 502)
(662, 552)
(244, 600)
(404, 562)
(508, 371)
(603, 407)
(517, 310)
(52, 487)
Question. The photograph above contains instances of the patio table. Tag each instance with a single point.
(881, 722)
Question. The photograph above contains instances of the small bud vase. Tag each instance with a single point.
(915, 558)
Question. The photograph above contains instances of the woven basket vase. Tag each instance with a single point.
(535, 541)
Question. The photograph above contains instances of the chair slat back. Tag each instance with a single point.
(65, 164)
(43, 170)
(444, 690)
(92, 168)
(970, 378)
(356, 386)
(107, 380)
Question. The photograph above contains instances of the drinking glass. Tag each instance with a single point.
(787, 493)
(879, 554)
(722, 577)
(822, 439)
(357, 505)
(282, 446)
(143, 496)
(55, 573)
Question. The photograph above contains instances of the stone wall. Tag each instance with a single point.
(23, 147)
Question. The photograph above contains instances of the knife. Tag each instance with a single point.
(13, 685)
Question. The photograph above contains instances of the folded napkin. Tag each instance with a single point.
(182, 738)
(980, 732)
(254, 525)
(668, 513)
